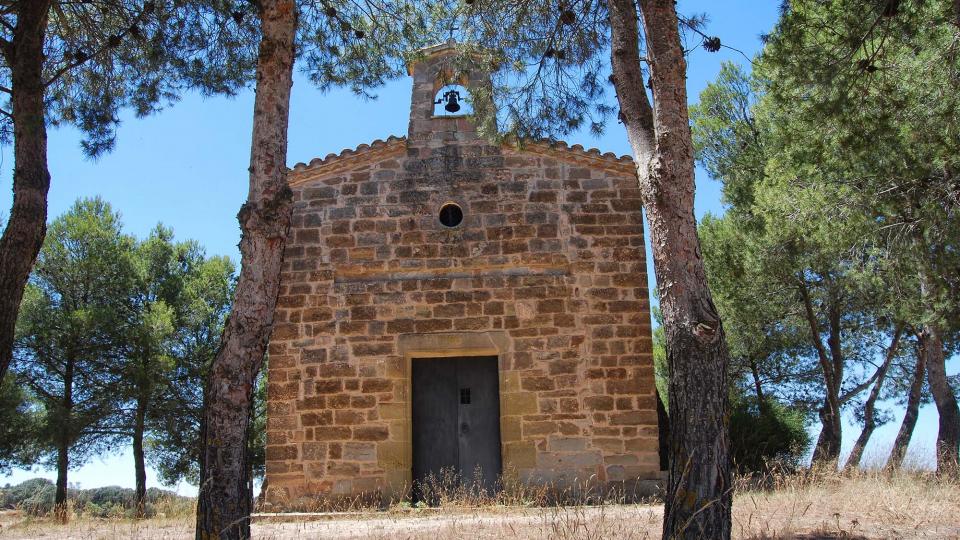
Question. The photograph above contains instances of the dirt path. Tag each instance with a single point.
(833, 507)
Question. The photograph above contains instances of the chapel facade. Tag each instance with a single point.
(449, 303)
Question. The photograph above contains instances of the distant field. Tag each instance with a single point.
(862, 505)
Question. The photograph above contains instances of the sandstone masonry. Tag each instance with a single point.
(546, 272)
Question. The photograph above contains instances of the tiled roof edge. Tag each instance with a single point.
(318, 163)
(562, 147)
(557, 146)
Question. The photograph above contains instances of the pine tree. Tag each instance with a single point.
(66, 354)
(80, 63)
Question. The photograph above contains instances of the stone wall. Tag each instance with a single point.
(546, 271)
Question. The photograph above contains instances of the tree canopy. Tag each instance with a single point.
(837, 157)
(113, 340)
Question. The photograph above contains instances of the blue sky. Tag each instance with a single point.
(187, 167)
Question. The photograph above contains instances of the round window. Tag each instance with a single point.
(451, 215)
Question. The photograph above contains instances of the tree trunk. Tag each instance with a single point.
(140, 494)
(224, 502)
(900, 444)
(27, 225)
(63, 464)
(663, 433)
(758, 387)
(948, 435)
(698, 499)
(827, 450)
(63, 443)
(869, 408)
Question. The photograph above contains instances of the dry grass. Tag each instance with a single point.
(447, 490)
(854, 504)
(861, 504)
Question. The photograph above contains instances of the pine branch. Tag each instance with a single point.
(106, 45)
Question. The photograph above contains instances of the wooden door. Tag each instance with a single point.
(456, 420)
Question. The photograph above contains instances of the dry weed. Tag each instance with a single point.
(811, 505)
(871, 503)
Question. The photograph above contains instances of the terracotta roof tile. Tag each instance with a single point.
(347, 152)
(554, 145)
(578, 148)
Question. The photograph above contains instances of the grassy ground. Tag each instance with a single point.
(858, 505)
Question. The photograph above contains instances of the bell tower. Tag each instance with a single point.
(435, 71)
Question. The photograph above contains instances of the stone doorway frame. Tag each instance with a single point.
(446, 345)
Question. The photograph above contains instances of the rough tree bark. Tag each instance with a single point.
(948, 434)
(140, 469)
(63, 464)
(224, 502)
(900, 444)
(869, 408)
(27, 225)
(931, 337)
(698, 499)
(827, 449)
(63, 444)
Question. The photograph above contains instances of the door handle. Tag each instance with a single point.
(464, 428)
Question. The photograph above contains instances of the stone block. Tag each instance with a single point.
(282, 391)
(608, 445)
(327, 386)
(392, 455)
(519, 403)
(355, 451)
(362, 402)
(335, 369)
(373, 349)
(534, 383)
(342, 469)
(643, 444)
(371, 433)
(331, 433)
(314, 451)
(347, 417)
(276, 453)
(632, 385)
(510, 429)
(566, 444)
(376, 385)
(338, 401)
(519, 455)
(531, 429)
(633, 418)
(392, 411)
(320, 418)
(565, 461)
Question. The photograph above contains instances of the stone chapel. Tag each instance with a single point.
(449, 303)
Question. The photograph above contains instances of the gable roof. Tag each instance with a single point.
(379, 148)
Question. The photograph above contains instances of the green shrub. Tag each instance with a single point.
(763, 437)
(36, 496)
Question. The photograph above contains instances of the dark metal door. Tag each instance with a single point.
(456, 419)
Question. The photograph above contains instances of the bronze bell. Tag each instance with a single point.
(451, 97)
